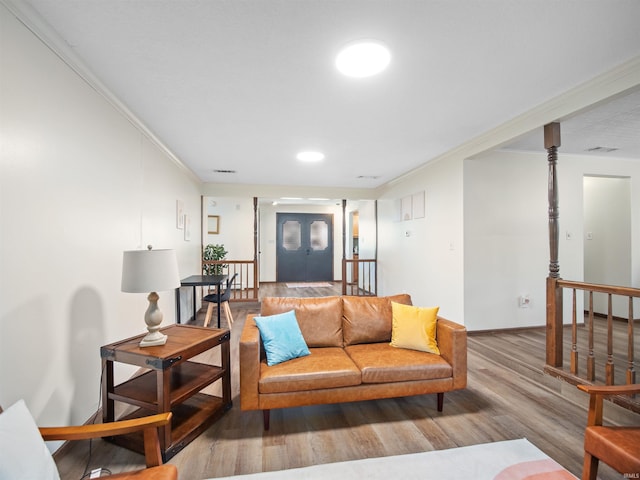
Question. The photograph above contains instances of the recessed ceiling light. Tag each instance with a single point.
(310, 156)
(363, 59)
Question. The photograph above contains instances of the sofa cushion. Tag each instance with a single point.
(368, 319)
(382, 363)
(414, 328)
(320, 318)
(281, 337)
(328, 367)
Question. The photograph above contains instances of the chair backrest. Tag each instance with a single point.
(227, 292)
(224, 296)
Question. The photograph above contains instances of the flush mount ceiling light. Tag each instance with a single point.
(310, 156)
(363, 59)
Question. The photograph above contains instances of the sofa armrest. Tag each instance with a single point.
(249, 354)
(452, 342)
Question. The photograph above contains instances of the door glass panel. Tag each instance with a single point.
(291, 235)
(319, 235)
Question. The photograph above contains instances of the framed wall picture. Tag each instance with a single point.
(187, 228)
(417, 205)
(406, 208)
(179, 214)
(213, 224)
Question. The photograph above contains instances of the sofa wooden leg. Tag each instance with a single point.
(440, 401)
(265, 418)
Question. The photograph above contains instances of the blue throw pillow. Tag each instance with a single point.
(281, 337)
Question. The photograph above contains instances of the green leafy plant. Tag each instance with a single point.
(214, 252)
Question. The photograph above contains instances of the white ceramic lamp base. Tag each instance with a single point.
(153, 319)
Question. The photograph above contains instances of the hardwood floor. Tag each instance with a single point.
(507, 398)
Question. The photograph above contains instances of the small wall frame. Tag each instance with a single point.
(213, 224)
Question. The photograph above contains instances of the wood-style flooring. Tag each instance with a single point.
(507, 397)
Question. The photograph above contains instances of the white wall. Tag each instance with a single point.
(79, 183)
(427, 264)
(506, 240)
(235, 232)
(366, 228)
(235, 225)
(506, 232)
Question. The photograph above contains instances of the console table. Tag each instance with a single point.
(172, 382)
(200, 281)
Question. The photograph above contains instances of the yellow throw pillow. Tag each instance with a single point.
(414, 328)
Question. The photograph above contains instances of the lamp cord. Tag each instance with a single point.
(88, 473)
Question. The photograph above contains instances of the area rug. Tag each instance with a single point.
(308, 285)
(507, 460)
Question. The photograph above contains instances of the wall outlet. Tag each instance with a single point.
(524, 301)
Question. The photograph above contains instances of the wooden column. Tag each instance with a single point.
(551, 143)
(554, 294)
(344, 246)
(375, 256)
(256, 272)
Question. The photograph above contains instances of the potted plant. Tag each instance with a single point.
(213, 252)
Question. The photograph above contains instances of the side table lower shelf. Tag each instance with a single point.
(190, 419)
(186, 379)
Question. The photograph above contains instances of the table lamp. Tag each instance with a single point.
(150, 271)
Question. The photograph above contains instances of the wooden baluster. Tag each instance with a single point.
(574, 337)
(610, 367)
(631, 373)
(591, 359)
(244, 283)
(244, 286)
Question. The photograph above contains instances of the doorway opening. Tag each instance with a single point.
(607, 237)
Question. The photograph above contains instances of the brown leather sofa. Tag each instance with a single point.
(350, 359)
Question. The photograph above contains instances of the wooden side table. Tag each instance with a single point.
(173, 382)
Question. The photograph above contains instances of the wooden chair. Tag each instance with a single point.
(148, 425)
(618, 447)
(212, 298)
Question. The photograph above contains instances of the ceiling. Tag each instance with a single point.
(610, 129)
(244, 85)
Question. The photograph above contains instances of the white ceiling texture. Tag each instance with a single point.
(243, 85)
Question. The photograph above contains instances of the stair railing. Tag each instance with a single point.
(359, 277)
(245, 286)
(593, 337)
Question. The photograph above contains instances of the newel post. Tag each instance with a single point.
(554, 294)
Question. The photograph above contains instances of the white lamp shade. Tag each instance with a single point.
(145, 271)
